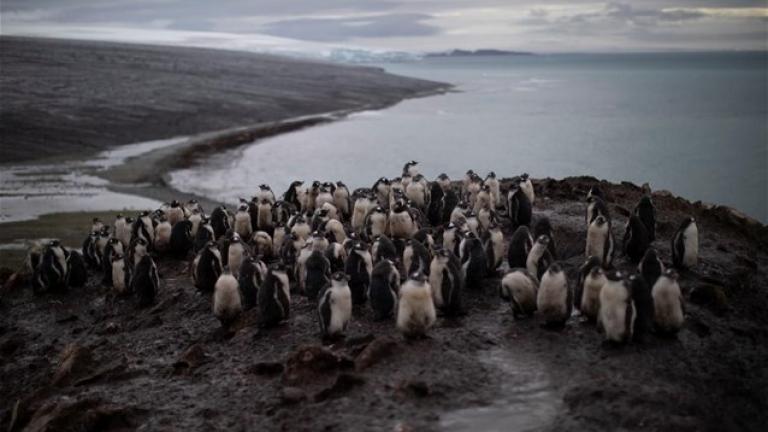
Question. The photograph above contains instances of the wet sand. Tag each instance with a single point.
(65, 98)
(171, 367)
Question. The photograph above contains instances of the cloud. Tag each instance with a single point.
(342, 29)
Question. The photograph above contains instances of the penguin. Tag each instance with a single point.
(196, 219)
(473, 188)
(290, 250)
(193, 206)
(416, 310)
(383, 249)
(204, 235)
(145, 281)
(381, 190)
(136, 251)
(101, 243)
(278, 238)
(651, 267)
(646, 211)
(383, 289)
(119, 274)
(520, 288)
(616, 316)
(143, 227)
(554, 298)
(233, 254)
(252, 273)
(175, 213)
(416, 192)
(360, 212)
(78, 275)
(473, 261)
(359, 267)
(207, 267)
(335, 306)
(591, 281)
(641, 297)
(539, 258)
(336, 255)
(181, 239)
(473, 224)
(35, 255)
(595, 191)
(596, 207)
(122, 230)
(636, 239)
(262, 244)
(401, 223)
(483, 200)
(310, 195)
(301, 228)
(518, 206)
(265, 193)
(600, 241)
(294, 194)
(459, 213)
(376, 222)
(274, 298)
(334, 231)
(281, 213)
(435, 208)
(450, 201)
(114, 247)
(485, 217)
(411, 169)
(243, 226)
(468, 178)
(424, 236)
(219, 221)
(447, 282)
(317, 274)
(668, 304)
(685, 245)
(494, 247)
(163, 232)
(452, 235)
(264, 215)
(324, 196)
(544, 227)
(519, 246)
(415, 257)
(96, 225)
(51, 274)
(341, 200)
(227, 304)
(527, 187)
(494, 188)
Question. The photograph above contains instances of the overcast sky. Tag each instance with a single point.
(414, 25)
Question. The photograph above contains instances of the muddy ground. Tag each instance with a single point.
(96, 361)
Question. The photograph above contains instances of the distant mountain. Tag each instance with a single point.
(479, 52)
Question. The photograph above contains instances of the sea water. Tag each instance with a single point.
(691, 123)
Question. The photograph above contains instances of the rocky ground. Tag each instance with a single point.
(96, 361)
(65, 97)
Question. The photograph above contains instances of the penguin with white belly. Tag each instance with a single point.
(591, 281)
(539, 258)
(227, 304)
(518, 206)
(668, 304)
(519, 288)
(554, 298)
(600, 242)
(274, 297)
(335, 306)
(447, 282)
(616, 317)
(416, 310)
(474, 263)
(685, 245)
(207, 267)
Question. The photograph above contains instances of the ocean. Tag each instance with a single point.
(693, 124)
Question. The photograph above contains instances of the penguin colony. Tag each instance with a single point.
(407, 248)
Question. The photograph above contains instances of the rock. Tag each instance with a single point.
(378, 349)
(265, 368)
(711, 296)
(292, 395)
(85, 415)
(309, 360)
(344, 383)
(76, 360)
(191, 359)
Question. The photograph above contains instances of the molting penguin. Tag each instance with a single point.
(452, 235)
(411, 169)
(264, 215)
(527, 187)
(401, 223)
(136, 251)
(494, 247)
(646, 211)
(518, 206)
(591, 281)
(483, 200)
(473, 261)
(416, 310)
(243, 226)
(376, 222)
(334, 230)
(553, 299)
(52, 272)
(265, 193)
(520, 289)
(175, 213)
(204, 235)
(341, 199)
(636, 239)
(600, 241)
(617, 310)
(685, 244)
(668, 304)
(415, 257)
(383, 248)
(162, 236)
(519, 247)
(145, 281)
(447, 282)
(122, 230)
(317, 274)
(234, 254)
(544, 227)
(300, 227)
(207, 267)
(385, 284)
(363, 203)
(96, 225)
(494, 188)
(335, 307)
(381, 188)
(274, 297)
(294, 194)
(181, 239)
(359, 267)
(120, 275)
(252, 274)
(336, 255)
(219, 221)
(539, 259)
(417, 192)
(651, 267)
(262, 244)
(596, 207)
(114, 247)
(227, 305)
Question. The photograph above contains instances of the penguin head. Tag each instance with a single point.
(141, 241)
(469, 235)
(443, 177)
(418, 276)
(296, 183)
(315, 184)
(671, 274)
(339, 184)
(96, 220)
(554, 268)
(491, 175)
(614, 275)
(600, 220)
(543, 239)
(129, 220)
(175, 204)
(145, 213)
(243, 208)
(113, 241)
(596, 271)
(119, 216)
(264, 187)
(470, 173)
(340, 277)
(360, 246)
(235, 238)
(54, 243)
(277, 266)
(524, 177)
(117, 257)
(485, 188)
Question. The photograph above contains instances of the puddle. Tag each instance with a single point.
(529, 402)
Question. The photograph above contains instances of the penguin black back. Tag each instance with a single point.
(78, 274)
(145, 281)
(473, 260)
(519, 207)
(519, 246)
(318, 274)
(636, 239)
(181, 239)
(274, 298)
(219, 221)
(641, 296)
(544, 227)
(383, 290)
(651, 267)
(646, 211)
